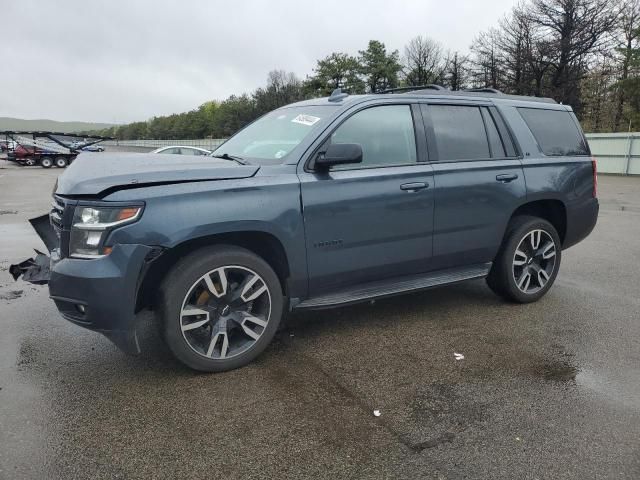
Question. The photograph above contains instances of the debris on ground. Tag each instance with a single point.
(12, 295)
(458, 356)
(33, 270)
(376, 413)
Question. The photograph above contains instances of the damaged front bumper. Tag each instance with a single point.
(98, 294)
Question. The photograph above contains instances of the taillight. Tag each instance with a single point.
(595, 177)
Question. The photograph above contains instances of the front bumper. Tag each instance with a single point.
(101, 294)
(98, 294)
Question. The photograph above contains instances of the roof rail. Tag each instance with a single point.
(337, 95)
(434, 91)
(483, 90)
(430, 86)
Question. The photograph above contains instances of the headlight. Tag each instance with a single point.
(91, 225)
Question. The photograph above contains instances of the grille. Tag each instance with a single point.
(56, 215)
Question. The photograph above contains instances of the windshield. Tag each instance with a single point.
(274, 135)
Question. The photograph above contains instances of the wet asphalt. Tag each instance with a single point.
(548, 390)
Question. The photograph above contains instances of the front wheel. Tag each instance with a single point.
(220, 307)
(528, 261)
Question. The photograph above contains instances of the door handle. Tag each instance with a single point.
(414, 186)
(506, 177)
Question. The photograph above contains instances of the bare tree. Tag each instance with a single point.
(595, 93)
(488, 60)
(576, 28)
(457, 72)
(282, 88)
(424, 62)
(626, 41)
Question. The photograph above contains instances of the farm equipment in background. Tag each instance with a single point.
(49, 149)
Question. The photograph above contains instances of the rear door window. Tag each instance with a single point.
(459, 132)
(555, 131)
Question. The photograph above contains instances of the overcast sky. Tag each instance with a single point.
(120, 61)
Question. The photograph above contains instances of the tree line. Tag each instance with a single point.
(584, 53)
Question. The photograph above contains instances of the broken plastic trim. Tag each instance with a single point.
(37, 270)
(33, 270)
(42, 226)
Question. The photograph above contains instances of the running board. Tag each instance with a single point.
(395, 286)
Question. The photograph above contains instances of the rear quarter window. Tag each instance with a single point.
(555, 131)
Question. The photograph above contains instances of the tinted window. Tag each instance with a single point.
(385, 133)
(459, 131)
(555, 131)
(495, 142)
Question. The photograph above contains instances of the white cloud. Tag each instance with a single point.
(130, 60)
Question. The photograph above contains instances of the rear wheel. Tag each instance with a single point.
(61, 162)
(220, 307)
(528, 261)
(46, 162)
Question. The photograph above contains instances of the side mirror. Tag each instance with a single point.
(339, 154)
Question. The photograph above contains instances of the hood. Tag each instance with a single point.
(93, 173)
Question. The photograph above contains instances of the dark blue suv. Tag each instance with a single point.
(320, 204)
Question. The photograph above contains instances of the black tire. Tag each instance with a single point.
(61, 162)
(181, 281)
(30, 162)
(502, 277)
(46, 162)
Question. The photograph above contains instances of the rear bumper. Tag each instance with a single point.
(581, 220)
(100, 294)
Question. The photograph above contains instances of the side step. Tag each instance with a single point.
(395, 286)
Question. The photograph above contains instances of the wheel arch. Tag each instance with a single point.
(553, 210)
(264, 244)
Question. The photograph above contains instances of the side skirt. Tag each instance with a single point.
(395, 286)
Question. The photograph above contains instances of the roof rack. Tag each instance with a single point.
(483, 90)
(434, 91)
(337, 95)
(431, 86)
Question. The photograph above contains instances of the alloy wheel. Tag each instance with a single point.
(225, 312)
(534, 261)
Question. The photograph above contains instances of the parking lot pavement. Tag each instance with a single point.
(547, 390)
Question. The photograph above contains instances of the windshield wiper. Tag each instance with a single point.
(226, 156)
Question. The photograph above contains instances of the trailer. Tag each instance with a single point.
(49, 149)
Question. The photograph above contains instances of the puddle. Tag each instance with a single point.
(557, 372)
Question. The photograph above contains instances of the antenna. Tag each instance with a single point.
(338, 95)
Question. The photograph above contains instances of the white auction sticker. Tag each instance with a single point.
(307, 120)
